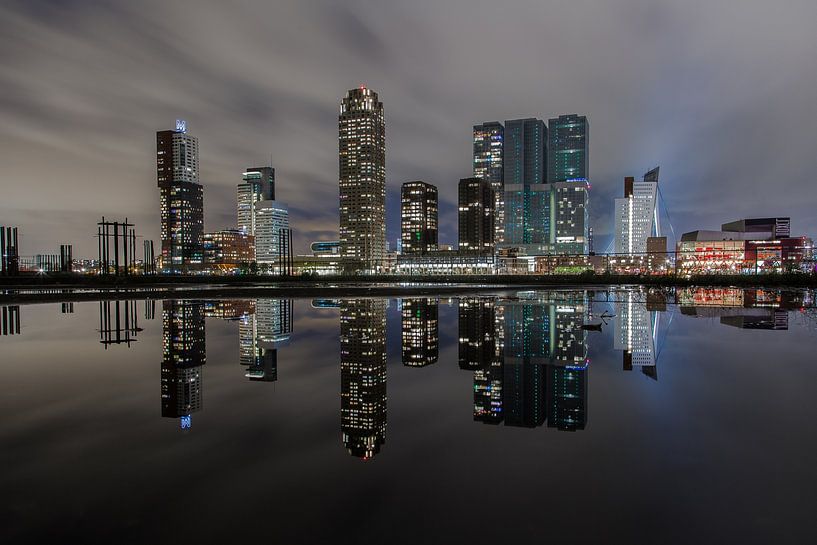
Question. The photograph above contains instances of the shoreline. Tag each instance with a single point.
(74, 288)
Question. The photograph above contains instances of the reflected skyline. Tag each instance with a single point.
(184, 354)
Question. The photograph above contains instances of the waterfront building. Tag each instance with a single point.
(181, 199)
(526, 197)
(567, 398)
(272, 240)
(446, 262)
(183, 355)
(476, 216)
(568, 169)
(744, 246)
(636, 214)
(418, 218)
(488, 164)
(363, 375)
(228, 249)
(362, 179)
(258, 184)
(420, 332)
(635, 330)
(261, 333)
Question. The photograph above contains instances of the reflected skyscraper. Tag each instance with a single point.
(635, 332)
(420, 332)
(184, 354)
(479, 352)
(260, 333)
(363, 375)
(526, 350)
(567, 397)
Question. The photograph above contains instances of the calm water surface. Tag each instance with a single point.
(621, 416)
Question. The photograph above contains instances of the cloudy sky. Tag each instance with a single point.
(721, 94)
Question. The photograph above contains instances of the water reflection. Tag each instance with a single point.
(527, 352)
(363, 376)
(184, 353)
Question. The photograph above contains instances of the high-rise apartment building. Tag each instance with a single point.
(418, 217)
(258, 184)
(362, 179)
(182, 199)
(476, 215)
(637, 214)
(183, 355)
(488, 165)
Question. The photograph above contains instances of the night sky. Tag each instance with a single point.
(722, 95)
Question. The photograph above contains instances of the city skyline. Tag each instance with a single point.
(695, 118)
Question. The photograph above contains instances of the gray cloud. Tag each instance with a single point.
(721, 96)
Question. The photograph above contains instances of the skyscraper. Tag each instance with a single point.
(363, 375)
(476, 215)
(362, 179)
(258, 184)
(182, 198)
(568, 140)
(488, 165)
(418, 217)
(637, 214)
(569, 171)
(527, 198)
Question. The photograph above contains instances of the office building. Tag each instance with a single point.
(228, 249)
(272, 233)
(526, 197)
(476, 216)
(363, 375)
(181, 199)
(488, 165)
(420, 332)
(636, 216)
(258, 184)
(568, 169)
(362, 179)
(261, 333)
(568, 152)
(418, 218)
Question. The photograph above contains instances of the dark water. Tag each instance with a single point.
(688, 418)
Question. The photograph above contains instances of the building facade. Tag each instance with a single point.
(476, 215)
(418, 218)
(181, 199)
(228, 248)
(569, 163)
(271, 231)
(362, 179)
(524, 175)
(420, 331)
(637, 214)
(258, 184)
(488, 164)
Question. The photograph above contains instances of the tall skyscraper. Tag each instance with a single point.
(480, 352)
(418, 217)
(182, 199)
(637, 214)
(258, 184)
(488, 165)
(362, 179)
(569, 170)
(184, 353)
(420, 332)
(476, 215)
(261, 333)
(568, 152)
(527, 199)
(363, 375)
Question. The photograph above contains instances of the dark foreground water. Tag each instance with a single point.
(689, 417)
